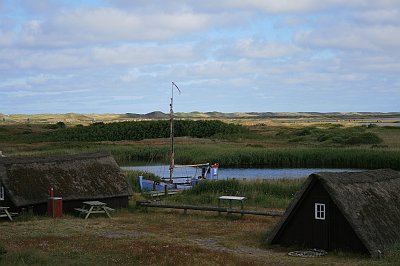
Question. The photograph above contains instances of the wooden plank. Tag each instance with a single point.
(231, 198)
(162, 193)
(5, 213)
(81, 210)
(206, 208)
(94, 203)
(97, 212)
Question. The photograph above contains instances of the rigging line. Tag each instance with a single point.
(176, 86)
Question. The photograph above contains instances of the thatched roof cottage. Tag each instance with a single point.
(354, 211)
(26, 181)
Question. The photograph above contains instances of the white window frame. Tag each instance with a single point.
(319, 211)
(1, 192)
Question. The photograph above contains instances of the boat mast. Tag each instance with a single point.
(171, 119)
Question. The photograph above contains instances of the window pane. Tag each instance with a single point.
(319, 211)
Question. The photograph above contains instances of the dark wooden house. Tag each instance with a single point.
(351, 211)
(25, 181)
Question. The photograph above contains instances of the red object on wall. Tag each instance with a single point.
(54, 207)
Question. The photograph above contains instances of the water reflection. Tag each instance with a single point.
(239, 173)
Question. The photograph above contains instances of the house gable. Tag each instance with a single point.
(301, 226)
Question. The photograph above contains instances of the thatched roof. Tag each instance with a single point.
(73, 177)
(369, 200)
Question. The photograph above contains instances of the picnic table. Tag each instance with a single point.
(91, 207)
(4, 213)
(230, 199)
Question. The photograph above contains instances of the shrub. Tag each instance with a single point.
(303, 132)
(364, 138)
(143, 129)
(60, 124)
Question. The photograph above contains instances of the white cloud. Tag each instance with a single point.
(77, 27)
(118, 24)
(379, 16)
(38, 79)
(101, 52)
(347, 36)
(269, 6)
(251, 48)
(95, 57)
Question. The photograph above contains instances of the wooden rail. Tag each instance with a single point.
(163, 193)
(146, 204)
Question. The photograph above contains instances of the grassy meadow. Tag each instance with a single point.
(169, 237)
(237, 143)
(155, 237)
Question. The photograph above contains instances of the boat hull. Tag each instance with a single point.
(151, 185)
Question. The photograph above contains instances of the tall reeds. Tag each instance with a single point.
(239, 156)
(261, 193)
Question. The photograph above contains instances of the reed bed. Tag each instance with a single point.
(318, 146)
(230, 155)
(133, 178)
(275, 194)
(239, 156)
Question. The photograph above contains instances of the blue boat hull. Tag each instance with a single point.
(150, 185)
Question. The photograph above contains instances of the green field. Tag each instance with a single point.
(137, 237)
(233, 143)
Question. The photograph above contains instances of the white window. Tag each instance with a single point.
(1, 193)
(319, 211)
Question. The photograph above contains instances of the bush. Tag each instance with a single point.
(364, 138)
(303, 132)
(55, 126)
(142, 129)
(60, 125)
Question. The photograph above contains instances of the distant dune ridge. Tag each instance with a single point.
(92, 118)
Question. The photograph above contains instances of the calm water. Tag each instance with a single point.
(238, 173)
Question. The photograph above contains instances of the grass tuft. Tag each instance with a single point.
(260, 194)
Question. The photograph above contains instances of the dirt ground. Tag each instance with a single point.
(155, 237)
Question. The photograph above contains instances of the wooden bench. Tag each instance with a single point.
(230, 199)
(81, 210)
(92, 207)
(4, 213)
(109, 209)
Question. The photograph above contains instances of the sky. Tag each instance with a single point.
(121, 56)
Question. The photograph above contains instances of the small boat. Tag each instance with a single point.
(208, 170)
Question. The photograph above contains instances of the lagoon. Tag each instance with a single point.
(238, 173)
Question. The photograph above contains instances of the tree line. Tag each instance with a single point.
(139, 130)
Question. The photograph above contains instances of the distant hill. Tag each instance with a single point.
(151, 115)
(73, 118)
